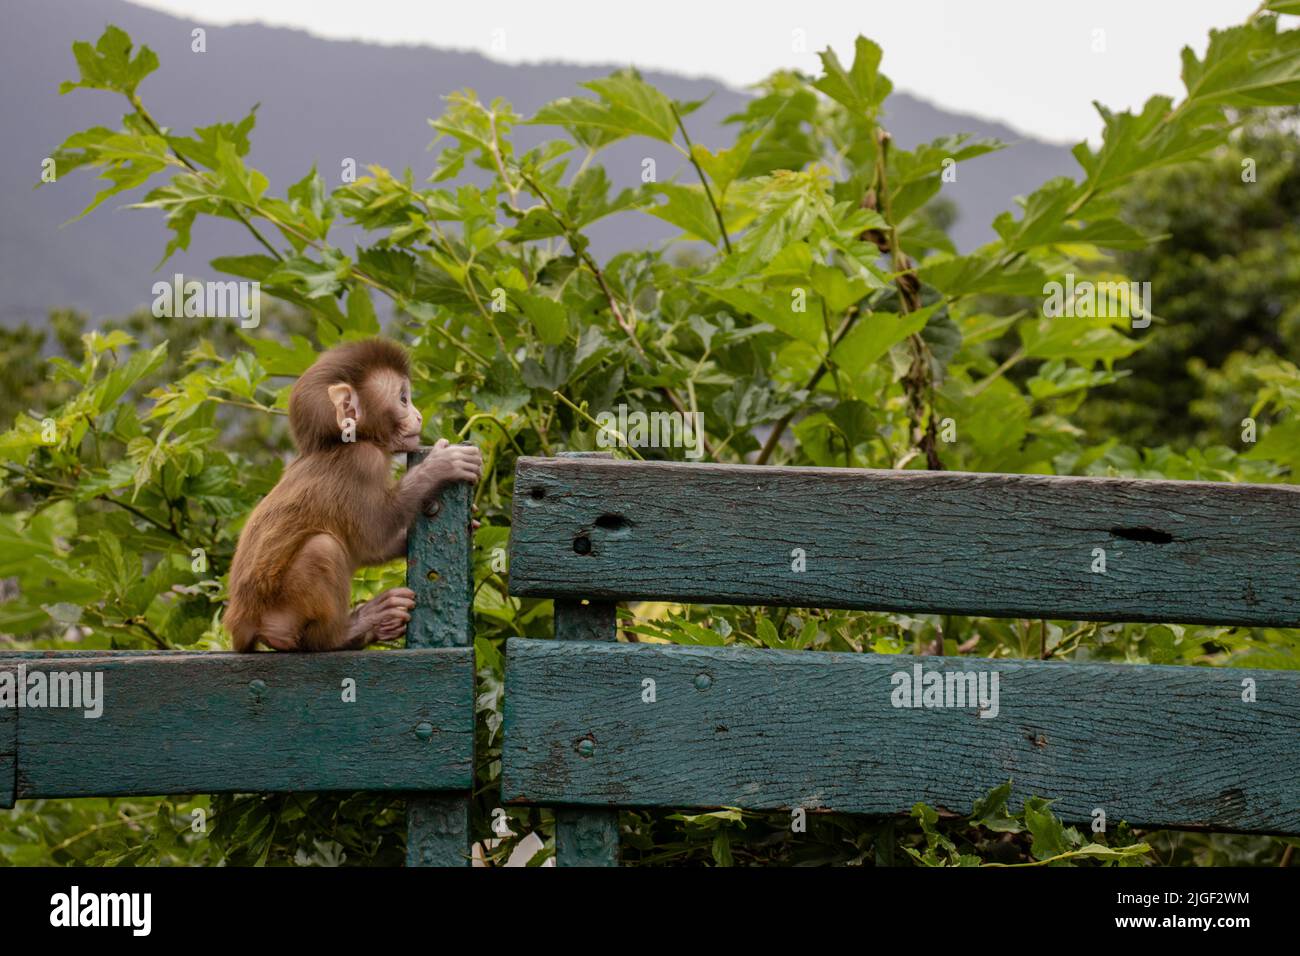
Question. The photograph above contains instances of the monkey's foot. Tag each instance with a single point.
(382, 618)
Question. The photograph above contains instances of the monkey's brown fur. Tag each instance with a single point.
(337, 507)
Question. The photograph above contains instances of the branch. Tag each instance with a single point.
(704, 181)
(782, 423)
(138, 106)
(586, 259)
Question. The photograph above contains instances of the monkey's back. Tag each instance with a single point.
(320, 493)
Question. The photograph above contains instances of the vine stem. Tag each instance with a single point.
(586, 259)
(1051, 859)
(485, 416)
(704, 180)
(358, 274)
(123, 820)
(107, 499)
(782, 423)
(582, 412)
(919, 378)
(138, 106)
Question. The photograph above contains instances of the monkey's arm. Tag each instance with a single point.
(359, 630)
(425, 481)
(396, 547)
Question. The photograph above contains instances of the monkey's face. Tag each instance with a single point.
(379, 412)
(401, 420)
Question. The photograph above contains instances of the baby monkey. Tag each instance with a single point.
(337, 507)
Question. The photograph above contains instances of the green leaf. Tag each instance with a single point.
(246, 267)
(108, 65)
(549, 318)
(1245, 66)
(309, 278)
(863, 87)
(1077, 339)
(126, 159)
(724, 166)
(116, 382)
(978, 273)
(990, 811)
(628, 106)
(1049, 836)
(588, 200)
(1132, 144)
(688, 209)
(361, 311)
(722, 849)
(837, 289)
(775, 308)
(1046, 221)
(201, 148)
(279, 359)
(537, 223)
(875, 334)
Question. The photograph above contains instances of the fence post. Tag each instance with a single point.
(8, 753)
(586, 837)
(439, 570)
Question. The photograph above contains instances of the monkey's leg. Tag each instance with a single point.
(317, 588)
(279, 630)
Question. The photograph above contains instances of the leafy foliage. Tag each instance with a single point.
(810, 308)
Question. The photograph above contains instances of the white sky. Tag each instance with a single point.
(1028, 63)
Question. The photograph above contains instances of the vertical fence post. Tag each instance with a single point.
(439, 570)
(8, 752)
(586, 837)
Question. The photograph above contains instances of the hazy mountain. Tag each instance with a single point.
(323, 101)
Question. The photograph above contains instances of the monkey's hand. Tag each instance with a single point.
(448, 463)
(382, 618)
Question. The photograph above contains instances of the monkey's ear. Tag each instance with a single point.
(345, 401)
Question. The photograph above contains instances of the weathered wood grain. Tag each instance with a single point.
(586, 837)
(8, 753)
(439, 570)
(996, 545)
(201, 723)
(1154, 745)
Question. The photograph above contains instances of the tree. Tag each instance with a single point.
(1225, 282)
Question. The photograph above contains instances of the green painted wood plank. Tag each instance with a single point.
(6, 654)
(997, 545)
(200, 723)
(439, 570)
(762, 729)
(8, 752)
(585, 837)
(437, 831)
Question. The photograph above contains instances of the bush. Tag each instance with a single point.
(811, 309)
